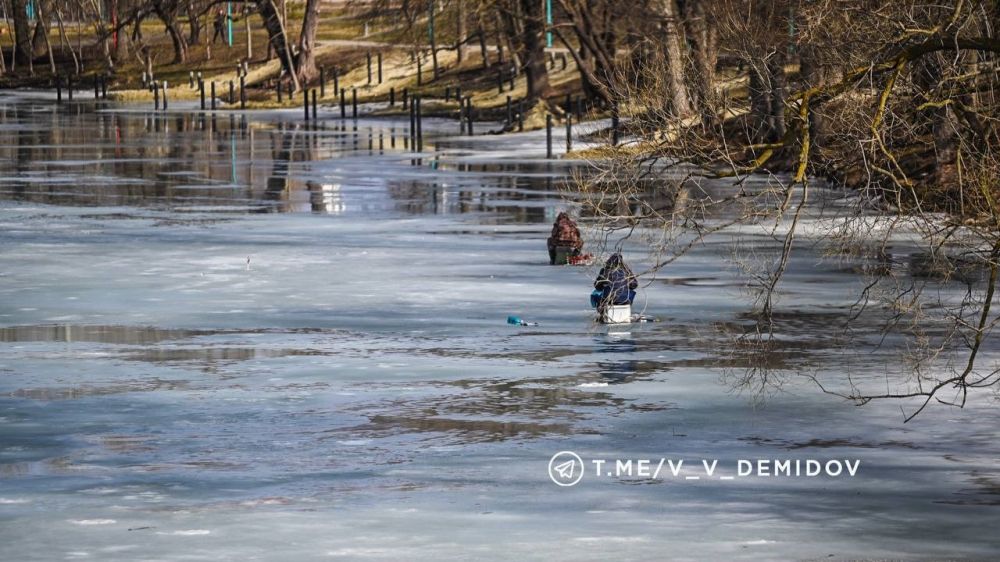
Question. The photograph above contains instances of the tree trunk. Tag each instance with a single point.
(307, 71)
(461, 32)
(776, 76)
(42, 16)
(701, 38)
(194, 22)
(534, 50)
(180, 46)
(23, 52)
(814, 74)
(673, 37)
(482, 47)
(277, 37)
(41, 27)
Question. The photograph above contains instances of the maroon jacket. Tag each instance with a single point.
(565, 233)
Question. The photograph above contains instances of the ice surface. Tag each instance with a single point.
(276, 343)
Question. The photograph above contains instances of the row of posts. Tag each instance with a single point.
(100, 88)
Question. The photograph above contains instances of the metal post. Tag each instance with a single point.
(392, 97)
(510, 112)
(368, 56)
(232, 92)
(354, 103)
(213, 95)
(281, 92)
(413, 125)
(343, 104)
(499, 81)
(548, 136)
(58, 89)
(468, 114)
(97, 88)
(164, 95)
(315, 106)
(104, 87)
(569, 132)
(520, 116)
(380, 67)
(336, 82)
(191, 79)
(420, 126)
(322, 82)
(305, 102)
(420, 72)
(243, 92)
(156, 96)
(201, 92)
(614, 124)
(69, 88)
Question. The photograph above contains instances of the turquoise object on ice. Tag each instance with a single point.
(514, 320)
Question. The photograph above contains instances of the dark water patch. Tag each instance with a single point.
(844, 442)
(131, 335)
(87, 390)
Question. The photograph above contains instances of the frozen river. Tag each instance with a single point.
(242, 338)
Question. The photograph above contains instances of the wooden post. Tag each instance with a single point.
(156, 96)
(232, 92)
(406, 97)
(336, 82)
(368, 56)
(281, 92)
(499, 81)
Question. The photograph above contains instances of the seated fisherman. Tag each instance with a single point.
(564, 234)
(615, 284)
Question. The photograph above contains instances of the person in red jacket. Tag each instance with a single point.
(564, 234)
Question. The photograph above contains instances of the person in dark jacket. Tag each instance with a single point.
(564, 234)
(615, 284)
(220, 26)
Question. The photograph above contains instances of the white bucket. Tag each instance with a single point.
(617, 314)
